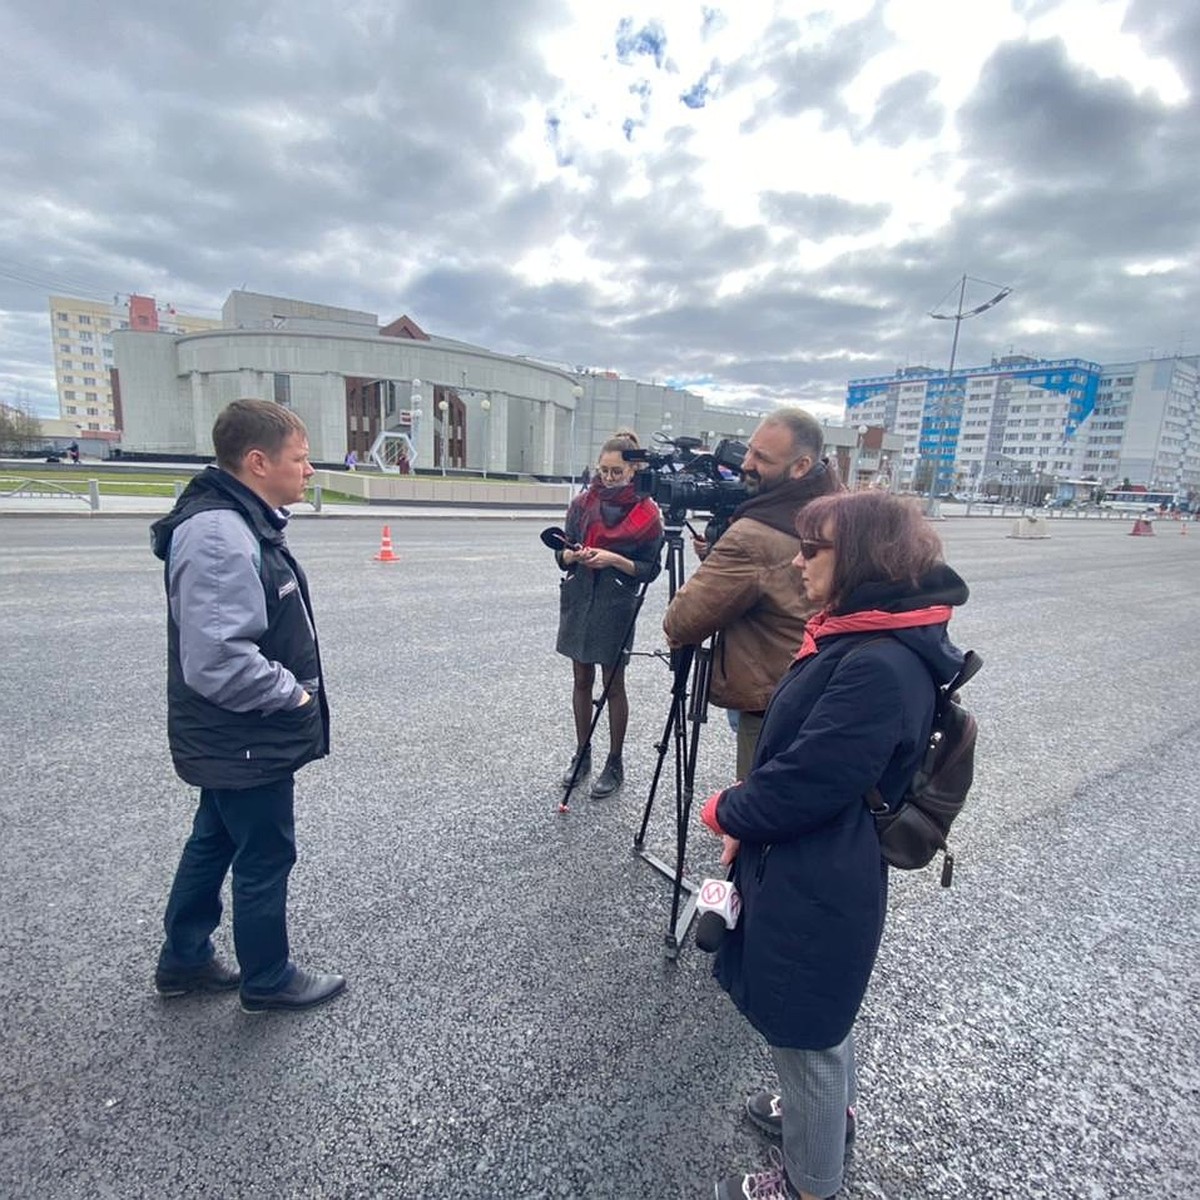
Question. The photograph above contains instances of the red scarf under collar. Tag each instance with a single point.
(871, 621)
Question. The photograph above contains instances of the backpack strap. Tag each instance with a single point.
(944, 694)
(874, 797)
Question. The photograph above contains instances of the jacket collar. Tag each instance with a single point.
(214, 488)
(779, 506)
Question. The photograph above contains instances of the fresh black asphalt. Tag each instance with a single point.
(512, 1027)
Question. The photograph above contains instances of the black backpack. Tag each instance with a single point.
(915, 830)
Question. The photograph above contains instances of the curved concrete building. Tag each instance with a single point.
(348, 379)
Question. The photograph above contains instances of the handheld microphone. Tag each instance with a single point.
(719, 906)
(556, 539)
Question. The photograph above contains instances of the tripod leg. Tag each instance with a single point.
(685, 794)
(682, 665)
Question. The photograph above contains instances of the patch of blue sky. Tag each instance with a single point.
(553, 129)
(699, 93)
(650, 41)
(712, 20)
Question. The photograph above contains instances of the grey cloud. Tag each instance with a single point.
(1037, 117)
(1172, 31)
(394, 161)
(808, 78)
(907, 109)
(821, 216)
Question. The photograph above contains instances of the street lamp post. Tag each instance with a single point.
(485, 406)
(444, 409)
(958, 317)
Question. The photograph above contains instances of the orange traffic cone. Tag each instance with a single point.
(386, 554)
(1142, 528)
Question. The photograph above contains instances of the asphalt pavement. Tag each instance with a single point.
(512, 1027)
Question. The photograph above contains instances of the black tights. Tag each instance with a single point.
(618, 703)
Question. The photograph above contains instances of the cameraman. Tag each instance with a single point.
(746, 590)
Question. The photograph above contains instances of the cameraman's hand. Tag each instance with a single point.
(701, 547)
(729, 849)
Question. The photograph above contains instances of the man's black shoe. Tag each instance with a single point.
(610, 778)
(584, 759)
(305, 989)
(212, 976)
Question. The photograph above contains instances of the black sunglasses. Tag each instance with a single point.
(811, 547)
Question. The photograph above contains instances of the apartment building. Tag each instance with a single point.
(83, 352)
(1025, 418)
(1146, 427)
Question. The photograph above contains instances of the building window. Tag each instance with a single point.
(91, 396)
(69, 396)
(84, 319)
(85, 337)
(89, 381)
(62, 316)
(93, 412)
(68, 379)
(283, 389)
(93, 424)
(71, 410)
(64, 347)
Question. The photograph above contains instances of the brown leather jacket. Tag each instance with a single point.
(749, 594)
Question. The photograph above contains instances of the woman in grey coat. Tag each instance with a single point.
(614, 543)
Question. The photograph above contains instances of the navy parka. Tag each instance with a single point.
(811, 876)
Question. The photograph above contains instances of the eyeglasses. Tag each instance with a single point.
(811, 547)
(611, 472)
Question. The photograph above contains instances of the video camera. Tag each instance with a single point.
(687, 479)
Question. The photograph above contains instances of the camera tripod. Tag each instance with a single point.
(684, 739)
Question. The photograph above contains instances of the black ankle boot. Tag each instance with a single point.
(610, 778)
(584, 759)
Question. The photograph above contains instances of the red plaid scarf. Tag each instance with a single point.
(607, 517)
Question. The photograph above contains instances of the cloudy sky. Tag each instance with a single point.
(759, 200)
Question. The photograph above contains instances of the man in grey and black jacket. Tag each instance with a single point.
(246, 707)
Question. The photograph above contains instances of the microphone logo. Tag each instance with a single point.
(719, 906)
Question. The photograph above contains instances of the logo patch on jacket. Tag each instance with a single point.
(287, 589)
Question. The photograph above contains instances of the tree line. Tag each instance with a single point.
(19, 429)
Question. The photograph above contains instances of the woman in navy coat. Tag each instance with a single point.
(853, 712)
